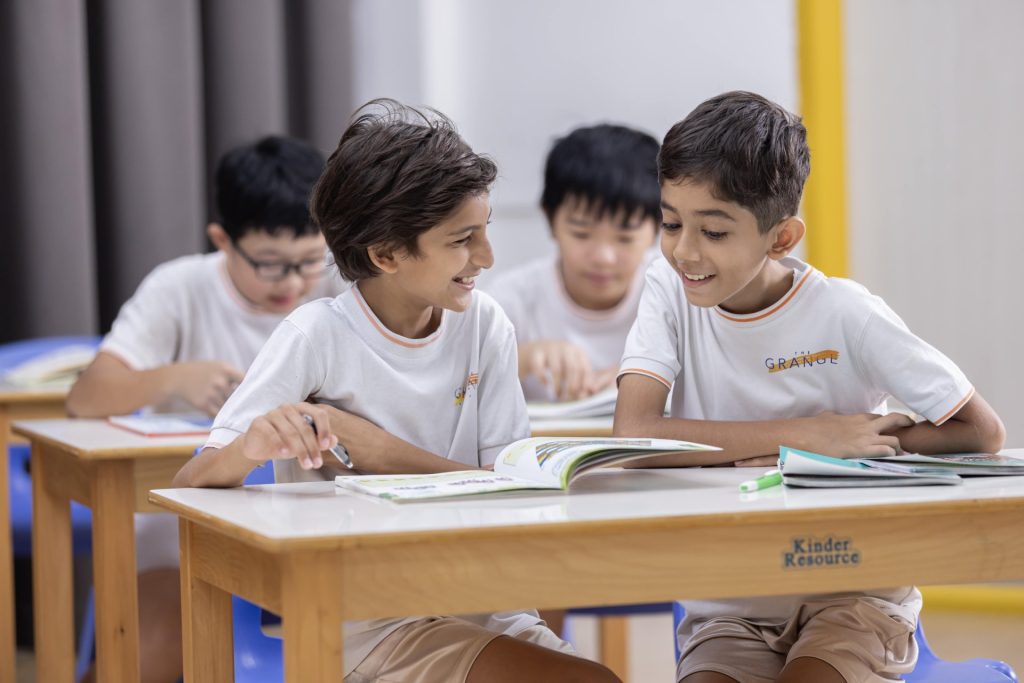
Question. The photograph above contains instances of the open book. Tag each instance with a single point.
(804, 469)
(156, 424)
(56, 369)
(536, 463)
(601, 404)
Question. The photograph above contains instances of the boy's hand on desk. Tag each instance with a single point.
(204, 384)
(560, 365)
(852, 436)
(283, 433)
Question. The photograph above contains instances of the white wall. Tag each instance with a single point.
(515, 75)
(935, 95)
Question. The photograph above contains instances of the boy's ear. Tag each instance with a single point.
(218, 236)
(788, 233)
(383, 256)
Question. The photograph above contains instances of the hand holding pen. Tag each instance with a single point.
(285, 432)
(337, 450)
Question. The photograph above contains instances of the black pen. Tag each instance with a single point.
(338, 451)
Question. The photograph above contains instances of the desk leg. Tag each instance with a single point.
(206, 622)
(311, 618)
(7, 637)
(114, 578)
(52, 588)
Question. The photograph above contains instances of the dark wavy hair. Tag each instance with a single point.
(612, 169)
(751, 150)
(265, 186)
(397, 172)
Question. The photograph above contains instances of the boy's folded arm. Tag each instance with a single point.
(974, 428)
(639, 413)
(109, 386)
(375, 451)
(216, 468)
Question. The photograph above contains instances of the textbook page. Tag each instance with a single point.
(813, 470)
(159, 424)
(56, 369)
(537, 463)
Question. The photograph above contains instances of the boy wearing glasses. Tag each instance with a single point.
(187, 335)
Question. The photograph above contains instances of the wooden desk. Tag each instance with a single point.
(587, 426)
(110, 470)
(16, 403)
(318, 555)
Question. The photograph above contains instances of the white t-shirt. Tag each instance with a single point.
(188, 309)
(454, 393)
(827, 345)
(535, 300)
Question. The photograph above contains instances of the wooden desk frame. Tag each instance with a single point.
(15, 405)
(115, 485)
(317, 583)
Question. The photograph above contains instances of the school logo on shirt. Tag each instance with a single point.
(470, 385)
(802, 359)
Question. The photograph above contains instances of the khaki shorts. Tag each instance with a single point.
(156, 541)
(438, 650)
(857, 636)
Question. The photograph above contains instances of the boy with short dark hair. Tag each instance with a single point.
(572, 311)
(763, 350)
(185, 338)
(410, 369)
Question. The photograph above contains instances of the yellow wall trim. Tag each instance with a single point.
(978, 599)
(820, 39)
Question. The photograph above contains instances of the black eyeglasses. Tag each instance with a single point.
(275, 271)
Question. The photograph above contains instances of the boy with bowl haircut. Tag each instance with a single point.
(572, 311)
(185, 338)
(763, 350)
(410, 370)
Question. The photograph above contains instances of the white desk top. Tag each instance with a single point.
(98, 439)
(271, 514)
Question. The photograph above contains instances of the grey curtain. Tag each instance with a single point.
(112, 116)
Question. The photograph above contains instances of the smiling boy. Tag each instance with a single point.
(572, 311)
(411, 370)
(718, 312)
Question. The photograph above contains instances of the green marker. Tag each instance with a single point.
(766, 480)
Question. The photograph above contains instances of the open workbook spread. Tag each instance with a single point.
(157, 424)
(601, 404)
(56, 369)
(804, 469)
(534, 463)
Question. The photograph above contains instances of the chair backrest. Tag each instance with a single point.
(15, 353)
(929, 669)
(258, 657)
(20, 501)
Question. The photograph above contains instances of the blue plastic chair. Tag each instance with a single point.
(16, 353)
(259, 658)
(929, 669)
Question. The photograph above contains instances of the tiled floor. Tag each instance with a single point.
(953, 636)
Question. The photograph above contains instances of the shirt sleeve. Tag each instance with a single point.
(286, 370)
(502, 408)
(148, 328)
(899, 363)
(652, 347)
